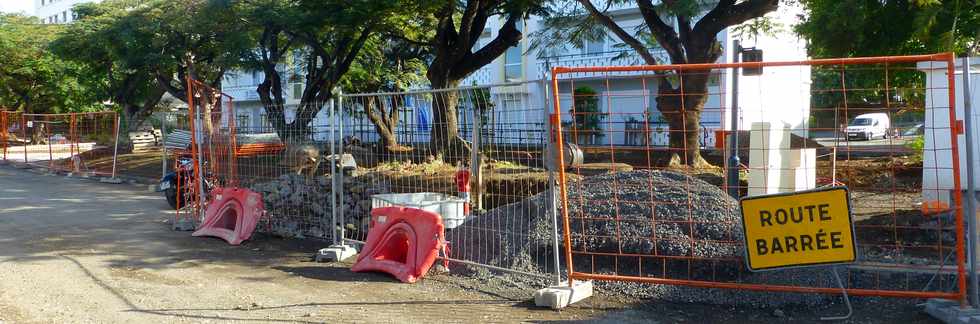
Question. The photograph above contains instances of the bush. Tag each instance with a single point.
(916, 147)
(587, 115)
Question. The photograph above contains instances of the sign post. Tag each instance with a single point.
(800, 229)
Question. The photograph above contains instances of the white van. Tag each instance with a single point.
(868, 126)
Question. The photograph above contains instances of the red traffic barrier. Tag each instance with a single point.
(232, 215)
(403, 242)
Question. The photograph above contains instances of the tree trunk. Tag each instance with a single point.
(136, 114)
(445, 138)
(385, 121)
(681, 106)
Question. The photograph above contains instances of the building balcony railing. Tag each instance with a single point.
(612, 58)
(480, 77)
(247, 92)
(241, 92)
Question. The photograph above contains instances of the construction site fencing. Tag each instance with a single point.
(211, 151)
(79, 143)
(670, 215)
(479, 165)
(471, 154)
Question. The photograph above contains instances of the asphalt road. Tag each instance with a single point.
(80, 251)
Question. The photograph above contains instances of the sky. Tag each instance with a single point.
(13, 6)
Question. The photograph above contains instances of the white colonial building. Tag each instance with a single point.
(57, 11)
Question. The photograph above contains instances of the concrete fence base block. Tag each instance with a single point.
(184, 225)
(557, 297)
(111, 180)
(950, 312)
(335, 253)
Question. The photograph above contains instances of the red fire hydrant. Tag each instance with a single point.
(463, 185)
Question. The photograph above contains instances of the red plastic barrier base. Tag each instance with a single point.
(232, 215)
(403, 242)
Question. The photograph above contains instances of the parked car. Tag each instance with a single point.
(868, 126)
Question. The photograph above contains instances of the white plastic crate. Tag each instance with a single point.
(450, 208)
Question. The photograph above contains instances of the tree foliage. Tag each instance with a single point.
(138, 49)
(32, 78)
(387, 64)
(323, 39)
(100, 43)
(845, 28)
(854, 28)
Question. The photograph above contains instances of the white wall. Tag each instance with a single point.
(937, 157)
(61, 8)
(780, 93)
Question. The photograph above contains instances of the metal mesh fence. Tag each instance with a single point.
(473, 155)
(669, 215)
(79, 143)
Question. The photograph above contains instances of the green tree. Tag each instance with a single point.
(200, 38)
(99, 43)
(140, 48)
(586, 111)
(32, 78)
(685, 30)
(322, 40)
(387, 64)
(852, 28)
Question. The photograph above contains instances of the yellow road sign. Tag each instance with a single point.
(798, 229)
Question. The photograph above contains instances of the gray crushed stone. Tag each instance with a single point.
(695, 232)
(299, 206)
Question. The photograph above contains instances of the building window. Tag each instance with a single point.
(513, 60)
(242, 122)
(297, 90)
(264, 119)
(597, 46)
(42, 2)
(64, 16)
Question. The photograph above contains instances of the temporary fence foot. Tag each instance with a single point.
(111, 180)
(948, 311)
(335, 253)
(558, 297)
(184, 225)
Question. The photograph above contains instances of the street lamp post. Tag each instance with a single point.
(751, 55)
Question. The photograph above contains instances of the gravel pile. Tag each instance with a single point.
(692, 219)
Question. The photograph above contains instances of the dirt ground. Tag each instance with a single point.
(75, 250)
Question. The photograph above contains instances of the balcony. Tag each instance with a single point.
(247, 92)
(613, 58)
(483, 76)
(242, 92)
